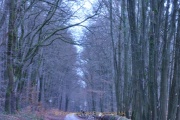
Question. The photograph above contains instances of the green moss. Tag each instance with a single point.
(10, 67)
(9, 90)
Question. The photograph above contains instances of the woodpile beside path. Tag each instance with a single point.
(102, 117)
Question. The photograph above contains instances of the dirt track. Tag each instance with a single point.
(67, 117)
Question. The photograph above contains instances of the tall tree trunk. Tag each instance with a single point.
(126, 76)
(143, 52)
(165, 70)
(10, 93)
(152, 63)
(136, 105)
(115, 62)
(158, 8)
(174, 88)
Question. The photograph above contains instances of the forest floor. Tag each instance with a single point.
(52, 114)
(67, 117)
(64, 117)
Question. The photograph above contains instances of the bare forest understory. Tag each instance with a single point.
(120, 57)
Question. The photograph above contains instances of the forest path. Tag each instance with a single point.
(71, 117)
(67, 117)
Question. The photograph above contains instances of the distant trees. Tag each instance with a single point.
(32, 26)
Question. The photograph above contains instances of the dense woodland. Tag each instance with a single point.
(129, 58)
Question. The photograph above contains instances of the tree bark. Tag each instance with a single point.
(67, 103)
(126, 66)
(115, 62)
(178, 108)
(165, 68)
(10, 93)
(175, 87)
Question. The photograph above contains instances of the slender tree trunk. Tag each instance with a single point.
(126, 77)
(60, 102)
(67, 103)
(115, 63)
(143, 51)
(165, 66)
(92, 97)
(152, 80)
(112, 100)
(40, 88)
(178, 108)
(158, 8)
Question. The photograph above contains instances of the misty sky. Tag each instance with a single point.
(82, 9)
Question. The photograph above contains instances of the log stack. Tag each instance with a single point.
(112, 117)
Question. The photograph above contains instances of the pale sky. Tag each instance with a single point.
(84, 9)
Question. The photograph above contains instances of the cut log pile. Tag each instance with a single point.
(112, 117)
(104, 117)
